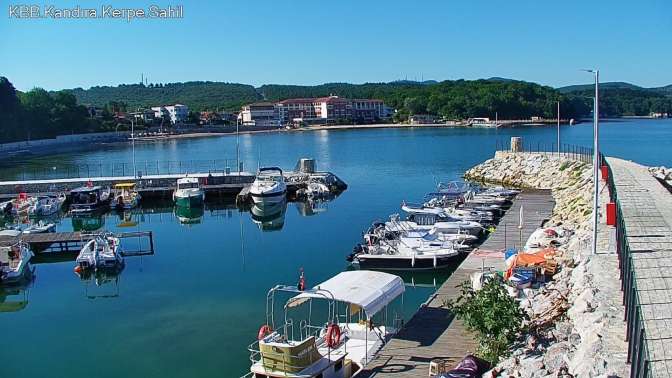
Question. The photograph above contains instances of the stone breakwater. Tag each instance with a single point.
(575, 320)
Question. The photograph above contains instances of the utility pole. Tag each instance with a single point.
(558, 127)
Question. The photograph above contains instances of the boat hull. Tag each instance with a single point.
(265, 199)
(403, 262)
(195, 200)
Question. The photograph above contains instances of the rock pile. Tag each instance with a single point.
(570, 317)
(662, 174)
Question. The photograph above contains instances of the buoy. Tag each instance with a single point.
(264, 331)
(78, 269)
(333, 335)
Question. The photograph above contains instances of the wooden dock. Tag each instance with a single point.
(60, 242)
(432, 333)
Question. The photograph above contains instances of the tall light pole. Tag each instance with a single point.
(596, 155)
(135, 172)
(558, 128)
(237, 147)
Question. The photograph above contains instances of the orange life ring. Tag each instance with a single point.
(264, 331)
(333, 335)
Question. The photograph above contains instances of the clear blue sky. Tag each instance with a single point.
(311, 42)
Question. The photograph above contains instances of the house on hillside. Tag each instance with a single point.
(177, 114)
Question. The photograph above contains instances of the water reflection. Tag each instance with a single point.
(88, 223)
(14, 298)
(101, 283)
(269, 217)
(189, 215)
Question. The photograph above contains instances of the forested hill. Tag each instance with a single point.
(198, 95)
(451, 99)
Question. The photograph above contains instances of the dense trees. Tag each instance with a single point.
(39, 114)
(198, 95)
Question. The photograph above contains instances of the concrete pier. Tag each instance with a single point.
(644, 246)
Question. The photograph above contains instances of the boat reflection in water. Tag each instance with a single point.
(269, 217)
(92, 222)
(189, 215)
(102, 283)
(310, 207)
(14, 298)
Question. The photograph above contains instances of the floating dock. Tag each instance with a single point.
(433, 333)
(64, 242)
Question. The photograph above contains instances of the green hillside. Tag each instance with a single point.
(198, 95)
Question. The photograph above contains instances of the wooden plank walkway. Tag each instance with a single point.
(432, 333)
(646, 208)
(66, 241)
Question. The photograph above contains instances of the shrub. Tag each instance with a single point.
(491, 313)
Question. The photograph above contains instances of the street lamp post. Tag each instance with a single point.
(237, 147)
(596, 156)
(558, 128)
(135, 172)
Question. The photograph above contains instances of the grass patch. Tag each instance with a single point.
(564, 165)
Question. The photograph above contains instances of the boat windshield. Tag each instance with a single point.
(188, 185)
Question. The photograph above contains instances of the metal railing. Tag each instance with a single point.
(120, 169)
(571, 151)
(638, 351)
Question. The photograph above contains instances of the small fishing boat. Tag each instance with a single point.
(14, 258)
(189, 193)
(124, 196)
(269, 187)
(344, 338)
(22, 204)
(100, 253)
(88, 199)
(47, 205)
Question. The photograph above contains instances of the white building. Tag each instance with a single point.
(176, 113)
(263, 114)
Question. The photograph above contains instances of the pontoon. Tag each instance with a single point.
(353, 327)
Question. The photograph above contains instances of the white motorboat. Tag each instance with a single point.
(124, 196)
(40, 227)
(427, 222)
(309, 349)
(47, 205)
(100, 253)
(14, 258)
(88, 199)
(447, 214)
(406, 253)
(189, 193)
(269, 187)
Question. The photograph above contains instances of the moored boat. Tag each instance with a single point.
(269, 187)
(308, 348)
(47, 205)
(100, 253)
(124, 196)
(88, 199)
(15, 258)
(188, 192)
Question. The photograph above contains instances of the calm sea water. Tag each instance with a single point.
(192, 308)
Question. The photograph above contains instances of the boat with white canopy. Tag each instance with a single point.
(352, 327)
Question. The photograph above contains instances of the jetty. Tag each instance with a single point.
(643, 220)
(67, 242)
(215, 178)
(433, 333)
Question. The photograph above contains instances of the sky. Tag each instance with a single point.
(312, 42)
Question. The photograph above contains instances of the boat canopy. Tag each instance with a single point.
(9, 238)
(370, 290)
(86, 189)
(125, 185)
(270, 169)
(187, 180)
